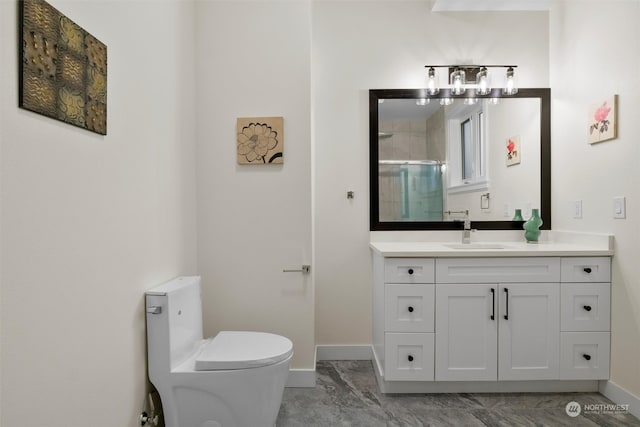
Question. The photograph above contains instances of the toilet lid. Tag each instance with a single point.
(241, 350)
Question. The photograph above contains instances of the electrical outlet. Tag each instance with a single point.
(577, 209)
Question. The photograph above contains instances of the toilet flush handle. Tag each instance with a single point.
(154, 309)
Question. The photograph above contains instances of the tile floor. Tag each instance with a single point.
(346, 394)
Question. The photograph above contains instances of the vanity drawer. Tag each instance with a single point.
(409, 357)
(585, 306)
(584, 355)
(409, 308)
(497, 270)
(587, 269)
(409, 270)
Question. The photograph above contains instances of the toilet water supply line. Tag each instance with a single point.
(145, 418)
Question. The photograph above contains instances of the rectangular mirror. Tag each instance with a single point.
(435, 160)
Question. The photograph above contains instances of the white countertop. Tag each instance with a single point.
(556, 244)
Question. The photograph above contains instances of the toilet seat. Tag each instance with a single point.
(242, 350)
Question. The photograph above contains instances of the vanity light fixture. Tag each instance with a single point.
(475, 78)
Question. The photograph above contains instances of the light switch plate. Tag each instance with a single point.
(577, 209)
(619, 207)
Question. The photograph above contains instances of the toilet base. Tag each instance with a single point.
(232, 398)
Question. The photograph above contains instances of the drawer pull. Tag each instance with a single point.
(506, 298)
(410, 309)
(586, 356)
(587, 307)
(493, 304)
(587, 270)
(410, 271)
(410, 358)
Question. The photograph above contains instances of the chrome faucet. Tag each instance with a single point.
(466, 232)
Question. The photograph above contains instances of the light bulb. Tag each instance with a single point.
(432, 82)
(483, 81)
(510, 88)
(457, 82)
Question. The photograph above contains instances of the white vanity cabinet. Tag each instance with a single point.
(494, 321)
(476, 320)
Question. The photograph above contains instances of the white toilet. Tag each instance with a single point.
(235, 379)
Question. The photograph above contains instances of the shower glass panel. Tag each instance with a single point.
(411, 190)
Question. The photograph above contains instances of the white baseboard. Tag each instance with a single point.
(301, 378)
(344, 352)
(620, 396)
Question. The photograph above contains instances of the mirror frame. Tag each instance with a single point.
(544, 94)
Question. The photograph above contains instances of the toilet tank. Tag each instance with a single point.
(175, 331)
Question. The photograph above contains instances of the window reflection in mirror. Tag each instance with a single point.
(435, 162)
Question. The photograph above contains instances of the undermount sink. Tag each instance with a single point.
(475, 246)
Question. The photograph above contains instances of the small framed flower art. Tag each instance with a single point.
(260, 140)
(513, 150)
(603, 120)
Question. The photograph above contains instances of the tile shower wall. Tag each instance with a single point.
(418, 139)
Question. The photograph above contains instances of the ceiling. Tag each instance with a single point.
(490, 5)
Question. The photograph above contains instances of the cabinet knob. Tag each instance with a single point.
(410, 358)
(587, 307)
(410, 271)
(586, 356)
(410, 309)
(587, 270)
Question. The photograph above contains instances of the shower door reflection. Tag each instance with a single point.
(411, 190)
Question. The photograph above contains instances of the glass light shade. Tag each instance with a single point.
(432, 81)
(457, 82)
(482, 79)
(422, 101)
(470, 101)
(446, 101)
(511, 87)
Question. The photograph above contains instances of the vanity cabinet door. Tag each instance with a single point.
(529, 331)
(466, 332)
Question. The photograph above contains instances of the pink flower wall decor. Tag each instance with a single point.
(603, 120)
(513, 150)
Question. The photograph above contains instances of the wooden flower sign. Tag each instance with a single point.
(260, 140)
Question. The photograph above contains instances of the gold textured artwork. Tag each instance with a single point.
(63, 71)
(260, 140)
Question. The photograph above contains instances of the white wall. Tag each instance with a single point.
(365, 45)
(593, 46)
(89, 222)
(255, 220)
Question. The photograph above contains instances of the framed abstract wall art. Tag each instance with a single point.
(63, 68)
(603, 120)
(260, 140)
